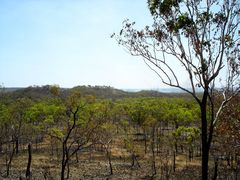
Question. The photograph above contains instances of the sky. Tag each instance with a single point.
(67, 42)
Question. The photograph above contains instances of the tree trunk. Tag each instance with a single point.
(28, 171)
(51, 140)
(176, 146)
(63, 171)
(190, 154)
(215, 169)
(174, 161)
(205, 147)
(77, 157)
(154, 172)
(63, 161)
(157, 133)
(68, 170)
(1, 147)
(10, 161)
(135, 161)
(176, 142)
(17, 145)
(145, 141)
(109, 161)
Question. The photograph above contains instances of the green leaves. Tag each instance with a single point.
(184, 21)
(49, 120)
(153, 5)
(4, 113)
(56, 132)
(166, 6)
(187, 134)
(162, 7)
(180, 112)
(42, 111)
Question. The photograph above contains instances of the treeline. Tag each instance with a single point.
(157, 129)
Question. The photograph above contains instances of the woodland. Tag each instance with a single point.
(94, 132)
(98, 132)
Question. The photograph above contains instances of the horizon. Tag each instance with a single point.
(161, 90)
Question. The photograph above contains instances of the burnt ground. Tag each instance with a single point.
(95, 166)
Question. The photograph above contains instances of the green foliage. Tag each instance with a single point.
(43, 111)
(153, 5)
(4, 113)
(56, 132)
(162, 7)
(186, 134)
(49, 120)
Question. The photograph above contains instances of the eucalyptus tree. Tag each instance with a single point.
(69, 120)
(75, 105)
(201, 38)
(78, 127)
(18, 119)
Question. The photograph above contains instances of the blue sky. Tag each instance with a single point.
(67, 42)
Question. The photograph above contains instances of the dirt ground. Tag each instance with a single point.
(95, 166)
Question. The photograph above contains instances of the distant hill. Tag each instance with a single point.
(112, 93)
(35, 92)
(32, 92)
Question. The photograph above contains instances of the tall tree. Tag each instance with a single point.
(201, 38)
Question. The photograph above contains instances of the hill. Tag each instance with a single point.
(35, 92)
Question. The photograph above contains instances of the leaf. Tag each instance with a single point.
(56, 132)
